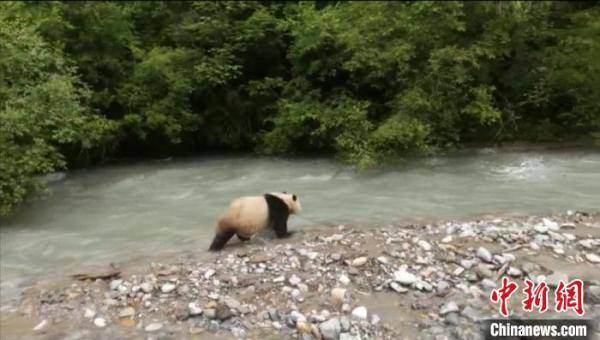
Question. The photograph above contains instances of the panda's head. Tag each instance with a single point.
(291, 200)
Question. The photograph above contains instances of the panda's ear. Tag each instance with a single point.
(294, 198)
(285, 192)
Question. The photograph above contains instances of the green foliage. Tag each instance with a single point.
(42, 108)
(367, 81)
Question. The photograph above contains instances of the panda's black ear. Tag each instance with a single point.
(285, 192)
(294, 197)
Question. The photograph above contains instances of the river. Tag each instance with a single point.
(144, 210)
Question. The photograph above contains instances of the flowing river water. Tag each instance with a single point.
(121, 213)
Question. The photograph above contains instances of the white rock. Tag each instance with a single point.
(551, 225)
(153, 327)
(559, 250)
(279, 279)
(488, 283)
(484, 254)
(514, 272)
(167, 288)
(294, 280)
(382, 260)
(404, 277)
(194, 309)
(467, 264)
(593, 258)
(114, 284)
(100, 322)
(147, 287)
(276, 325)
(337, 296)
(424, 245)
(89, 313)
(344, 279)
(447, 239)
(449, 307)
(360, 312)
(209, 273)
(40, 325)
(312, 255)
(542, 229)
(375, 319)
(359, 261)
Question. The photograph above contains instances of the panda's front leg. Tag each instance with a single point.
(281, 229)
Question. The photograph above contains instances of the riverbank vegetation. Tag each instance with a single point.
(369, 81)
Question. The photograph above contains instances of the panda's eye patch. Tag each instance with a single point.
(294, 197)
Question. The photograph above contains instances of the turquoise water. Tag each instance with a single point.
(140, 211)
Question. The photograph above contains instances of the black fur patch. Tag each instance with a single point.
(278, 215)
(220, 239)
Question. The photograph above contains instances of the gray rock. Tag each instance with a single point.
(127, 312)
(483, 271)
(348, 336)
(359, 261)
(594, 294)
(223, 312)
(294, 280)
(213, 326)
(467, 264)
(488, 283)
(330, 329)
(274, 314)
(337, 296)
(471, 313)
(514, 272)
(531, 268)
(424, 245)
(397, 287)
(345, 323)
(210, 313)
(449, 307)
(553, 279)
(452, 318)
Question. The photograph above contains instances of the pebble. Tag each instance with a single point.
(383, 260)
(489, 283)
(375, 319)
(345, 323)
(153, 327)
(345, 280)
(514, 272)
(89, 313)
(397, 287)
(484, 254)
(147, 287)
(194, 309)
(360, 312)
(330, 329)
(127, 312)
(209, 273)
(40, 325)
(337, 296)
(467, 264)
(276, 325)
(348, 336)
(294, 280)
(114, 284)
(551, 225)
(424, 245)
(553, 279)
(167, 288)
(449, 307)
(100, 322)
(593, 258)
(359, 261)
(404, 277)
(335, 256)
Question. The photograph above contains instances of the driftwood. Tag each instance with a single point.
(101, 274)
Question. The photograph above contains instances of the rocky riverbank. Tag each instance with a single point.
(429, 281)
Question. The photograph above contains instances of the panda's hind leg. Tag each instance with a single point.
(221, 239)
(243, 238)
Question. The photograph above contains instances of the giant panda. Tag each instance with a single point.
(248, 215)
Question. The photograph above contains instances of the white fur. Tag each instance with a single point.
(250, 214)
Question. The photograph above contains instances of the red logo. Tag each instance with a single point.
(566, 296)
